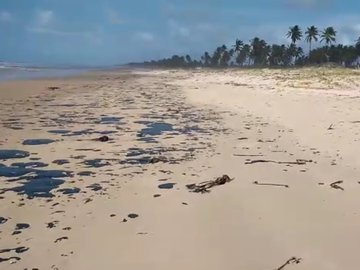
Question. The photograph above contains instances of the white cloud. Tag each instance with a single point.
(145, 36)
(177, 30)
(45, 23)
(93, 36)
(44, 18)
(308, 3)
(113, 17)
(44, 30)
(6, 16)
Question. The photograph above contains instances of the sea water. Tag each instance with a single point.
(22, 72)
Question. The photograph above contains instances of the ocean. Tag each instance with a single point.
(22, 72)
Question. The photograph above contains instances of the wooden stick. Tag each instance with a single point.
(335, 185)
(289, 261)
(270, 184)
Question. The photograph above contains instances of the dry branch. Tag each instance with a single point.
(205, 186)
(292, 260)
(297, 162)
(270, 184)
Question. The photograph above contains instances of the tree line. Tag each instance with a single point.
(258, 53)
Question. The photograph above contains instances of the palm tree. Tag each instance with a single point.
(238, 45)
(294, 33)
(188, 59)
(216, 57)
(206, 58)
(328, 35)
(357, 46)
(312, 33)
(357, 42)
(259, 51)
(224, 56)
(243, 55)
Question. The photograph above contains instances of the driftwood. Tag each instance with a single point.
(244, 155)
(297, 162)
(335, 185)
(270, 184)
(53, 87)
(205, 186)
(292, 260)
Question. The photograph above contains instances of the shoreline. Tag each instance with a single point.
(284, 138)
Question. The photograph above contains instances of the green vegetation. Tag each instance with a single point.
(258, 53)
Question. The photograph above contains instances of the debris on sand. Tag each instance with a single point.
(61, 239)
(297, 162)
(11, 259)
(270, 184)
(292, 260)
(154, 160)
(335, 185)
(53, 88)
(205, 186)
(166, 185)
(102, 139)
(132, 215)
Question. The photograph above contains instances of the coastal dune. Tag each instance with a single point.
(288, 139)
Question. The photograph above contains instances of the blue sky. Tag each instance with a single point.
(106, 32)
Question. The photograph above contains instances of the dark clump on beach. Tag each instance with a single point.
(153, 129)
(40, 187)
(85, 173)
(13, 171)
(103, 139)
(107, 120)
(61, 161)
(10, 154)
(167, 186)
(96, 163)
(3, 220)
(95, 187)
(132, 215)
(21, 226)
(37, 141)
(30, 164)
(59, 131)
(69, 191)
(39, 183)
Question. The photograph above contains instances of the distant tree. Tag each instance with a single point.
(206, 59)
(259, 51)
(243, 55)
(188, 59)
(357, 46)
(224, 56)
(328, 35)
(259, 54)
(231, 52)
(238, 45)
(294, 33)
(276, 57)
(215, 59)
(312, 33)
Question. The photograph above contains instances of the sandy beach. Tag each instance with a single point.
(94, 170)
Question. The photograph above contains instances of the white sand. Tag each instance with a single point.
(275, 115)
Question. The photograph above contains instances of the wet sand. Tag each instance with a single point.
(94, 171)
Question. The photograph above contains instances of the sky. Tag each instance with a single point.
(109, 32)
